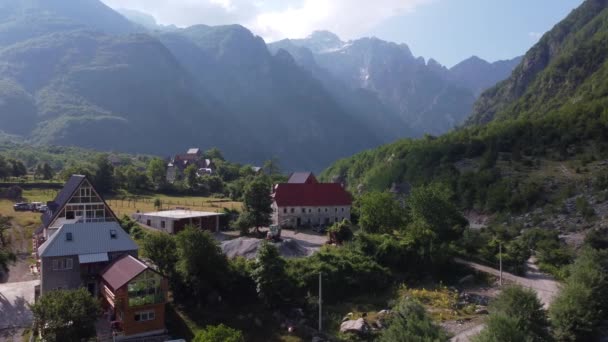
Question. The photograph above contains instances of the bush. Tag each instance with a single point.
(340, 232)
(410, 322)
(219, 333)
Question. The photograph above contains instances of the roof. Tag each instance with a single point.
(87, 238)
(123, 270)
(180, 214)
(302, 178)
(313, 195)
(193, 150)
(62, 198)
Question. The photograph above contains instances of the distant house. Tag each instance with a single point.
(75, 254)
(194, 156)
(303, 201)
(174, 221)
(135, 296)
(302, 178)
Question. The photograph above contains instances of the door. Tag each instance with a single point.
(91, 288)
(299, 221)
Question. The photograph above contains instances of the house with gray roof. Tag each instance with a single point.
(76, 253)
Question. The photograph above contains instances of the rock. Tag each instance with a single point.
(357, 326)
(384, 312)
(467, 280)
(481, 312)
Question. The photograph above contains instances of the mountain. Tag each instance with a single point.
(478, 75)
(69, 70)
(144, 19)
(568, 65)
(424, 95)
(537, 141)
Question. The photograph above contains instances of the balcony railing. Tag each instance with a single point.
(156, 298)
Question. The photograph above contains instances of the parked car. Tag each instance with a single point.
(35, 206)
(23, 206)
(43, 208)
(320, 229)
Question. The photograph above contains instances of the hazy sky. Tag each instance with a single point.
(447, 30)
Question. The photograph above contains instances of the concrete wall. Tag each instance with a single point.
(288, 216)
(155, 222)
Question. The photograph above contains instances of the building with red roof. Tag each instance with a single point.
(305, 202)
(134, 295)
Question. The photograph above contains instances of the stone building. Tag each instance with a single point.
(303, 201)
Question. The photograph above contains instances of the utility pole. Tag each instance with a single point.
(500, 260)
(320, 303)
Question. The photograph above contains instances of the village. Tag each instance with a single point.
(80, 244)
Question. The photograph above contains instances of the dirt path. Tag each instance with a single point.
(545, 286)
(20, 245)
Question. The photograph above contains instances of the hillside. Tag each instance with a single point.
(567, 66)
(424, 94)
(530, 160)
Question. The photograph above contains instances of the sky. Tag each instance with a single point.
(447, 30)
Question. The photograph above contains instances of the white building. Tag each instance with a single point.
(174, 221)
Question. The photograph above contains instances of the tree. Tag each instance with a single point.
(503, 328)
(258, 202)
(582, 302)
(271, 167)
(6, 256)
(270, 277)
(104, 174)
(201, 265)
(219, 333)
(47, 172)
(523, 309)
(5, 170)
(157, 172)
(158, 204)
(191, 176)
(380, 213)
(66, 315)
(214, 153)
(162, 250)
(340, 232)
(410, 322)
(18, 169)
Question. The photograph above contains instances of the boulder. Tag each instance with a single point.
(384, 312)
(481, 312)
(358, 326)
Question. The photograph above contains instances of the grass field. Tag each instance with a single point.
(31, 220)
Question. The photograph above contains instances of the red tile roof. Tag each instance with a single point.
(122, 271)
(313, 195)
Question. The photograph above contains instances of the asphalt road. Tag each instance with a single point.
(14, 311)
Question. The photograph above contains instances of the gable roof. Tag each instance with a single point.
(313, 195)
(302, 178)
(63, 197)
(123, 270)
(87, 238)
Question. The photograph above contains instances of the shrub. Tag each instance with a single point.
(340, 232)
(219, 333)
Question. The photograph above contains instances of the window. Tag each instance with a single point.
(292, 210)
(162, 224)
(303, 211)
(319, 209)
(62, 264)
(69, 215)
(342, 209)
(143, 316)
(284, 210)
(112, 233)
(68, 236)
(336, 209)
(148, 223)
(325, 209)
(310, 210)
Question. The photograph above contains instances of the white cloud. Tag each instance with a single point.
(276, 19)
(535, 35)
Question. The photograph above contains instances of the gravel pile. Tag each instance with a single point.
(248, 248)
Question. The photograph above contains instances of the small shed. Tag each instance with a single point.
(174, 221)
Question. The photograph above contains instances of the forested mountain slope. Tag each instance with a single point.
(550, 144)
(566, 67)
